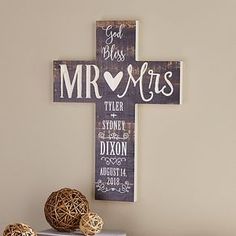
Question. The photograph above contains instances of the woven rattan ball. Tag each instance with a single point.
(19, 229)
(64, 208)
(91, 223)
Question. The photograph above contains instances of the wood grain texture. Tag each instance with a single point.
(116, 82)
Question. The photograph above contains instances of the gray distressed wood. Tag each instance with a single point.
(116, 81)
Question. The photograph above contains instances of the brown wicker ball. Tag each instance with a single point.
(64, 208)
(19, 229)
(91, 223)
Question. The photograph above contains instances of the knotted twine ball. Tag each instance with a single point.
(19, 229)
(91, 223)
(64, 208)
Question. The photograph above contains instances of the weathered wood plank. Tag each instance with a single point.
(116, 82)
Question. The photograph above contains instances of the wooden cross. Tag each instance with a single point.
(116, 81)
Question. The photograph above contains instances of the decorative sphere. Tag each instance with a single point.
(91, 223)
(19, 229)
(64, 208)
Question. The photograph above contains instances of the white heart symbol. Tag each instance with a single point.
(113, 160)
(113, 82)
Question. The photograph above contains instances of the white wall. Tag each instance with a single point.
(187, 161)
